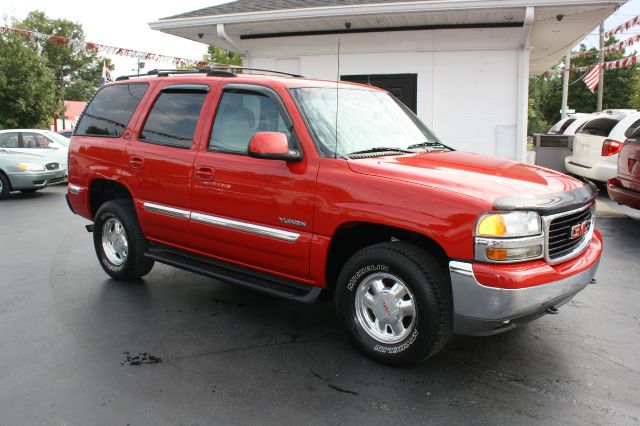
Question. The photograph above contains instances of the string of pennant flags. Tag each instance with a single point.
(623, 27)
(79, 45)
(612, 48)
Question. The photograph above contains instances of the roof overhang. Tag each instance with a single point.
(557, 27)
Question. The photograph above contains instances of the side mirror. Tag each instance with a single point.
(272, 146)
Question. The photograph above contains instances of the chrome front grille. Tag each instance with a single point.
(561, 233)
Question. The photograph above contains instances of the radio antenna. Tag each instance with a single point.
(335, 152)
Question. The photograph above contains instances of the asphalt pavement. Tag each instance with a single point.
(77, 348)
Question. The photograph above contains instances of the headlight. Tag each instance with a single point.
(30, 167)
(509, 225)
(508, 237)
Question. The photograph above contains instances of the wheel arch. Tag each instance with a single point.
(102, 190)
(351, 237)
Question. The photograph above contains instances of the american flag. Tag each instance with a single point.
(592, 78)
(106, 74)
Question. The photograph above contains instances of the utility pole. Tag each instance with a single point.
(565, 85)
(62, 99)
(600, 62)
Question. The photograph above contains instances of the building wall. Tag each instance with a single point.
(467, 79)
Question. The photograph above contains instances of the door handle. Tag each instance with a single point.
(137, 162)
(204, 173)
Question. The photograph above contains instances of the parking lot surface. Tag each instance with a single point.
(176, 348)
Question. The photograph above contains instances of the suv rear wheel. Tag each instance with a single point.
(119, 242)
(393, 299)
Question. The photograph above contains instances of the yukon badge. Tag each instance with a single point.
(293, 222)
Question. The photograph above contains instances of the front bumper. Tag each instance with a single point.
(601, 171)
(481, 310)
(35, 180)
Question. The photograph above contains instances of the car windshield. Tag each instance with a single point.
(58, 138)
(368, 121)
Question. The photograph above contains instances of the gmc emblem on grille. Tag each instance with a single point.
(580, 229)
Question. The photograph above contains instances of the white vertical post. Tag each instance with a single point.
(565, 85)
(600, 62)
(524, 50)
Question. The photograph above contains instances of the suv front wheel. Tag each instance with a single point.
(119, 242)
(393, 299)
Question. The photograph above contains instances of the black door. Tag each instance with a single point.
(402, 86)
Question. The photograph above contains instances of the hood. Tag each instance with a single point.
(474, 175)
(8, 154)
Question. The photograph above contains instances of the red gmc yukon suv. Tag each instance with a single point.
(294, 187)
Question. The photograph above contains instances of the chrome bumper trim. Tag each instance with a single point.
(480, 310)
(75, 189)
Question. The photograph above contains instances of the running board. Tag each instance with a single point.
(234, 274)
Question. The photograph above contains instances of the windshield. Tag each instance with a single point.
(367, 120)
(58, 138)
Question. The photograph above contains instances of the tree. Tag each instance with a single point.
(83, 68)
(620, 89)
(27, 86)
(222, 56)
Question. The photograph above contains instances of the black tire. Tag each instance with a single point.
(28, 191)
(429, 286)
(5, 186)
(135, 264)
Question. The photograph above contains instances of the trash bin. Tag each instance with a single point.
(551, 150)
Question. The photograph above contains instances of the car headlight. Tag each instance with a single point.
(508, 237)
(509, 225)
(30, 167)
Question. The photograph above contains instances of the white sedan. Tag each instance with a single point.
(40, 142)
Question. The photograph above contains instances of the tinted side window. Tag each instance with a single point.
(240, 115)
(173, 118)
(599, 126)
(9, 140)
(109, 112)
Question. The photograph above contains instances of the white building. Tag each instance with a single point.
(462, 65)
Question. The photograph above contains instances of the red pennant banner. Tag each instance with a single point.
(624, 27)
(108, 50)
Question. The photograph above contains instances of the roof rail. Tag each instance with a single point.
(216, 71)
(234, 67)
(167, 72)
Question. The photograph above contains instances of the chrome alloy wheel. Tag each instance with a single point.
(385, 308)
(114, 242)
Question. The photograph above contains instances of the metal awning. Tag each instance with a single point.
(557, 27)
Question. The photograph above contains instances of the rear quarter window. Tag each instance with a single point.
(599, 127)
(173, 118)
(110, 110)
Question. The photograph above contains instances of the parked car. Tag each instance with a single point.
(596, 144)
(625, 188)
(569, 124)
(285, 186)
(26, 172)
(40, 142)
(66, 133)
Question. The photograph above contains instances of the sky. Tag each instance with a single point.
(124, 24)
(119, 23)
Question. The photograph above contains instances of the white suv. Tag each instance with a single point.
(597, 143)
(568, 125)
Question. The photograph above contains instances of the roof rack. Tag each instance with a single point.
(216, 71)
(234, 67)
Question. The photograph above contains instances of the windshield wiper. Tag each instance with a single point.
(426, 144)
(381, 149)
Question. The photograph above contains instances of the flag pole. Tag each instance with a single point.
(565, 85)
(600, 62)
